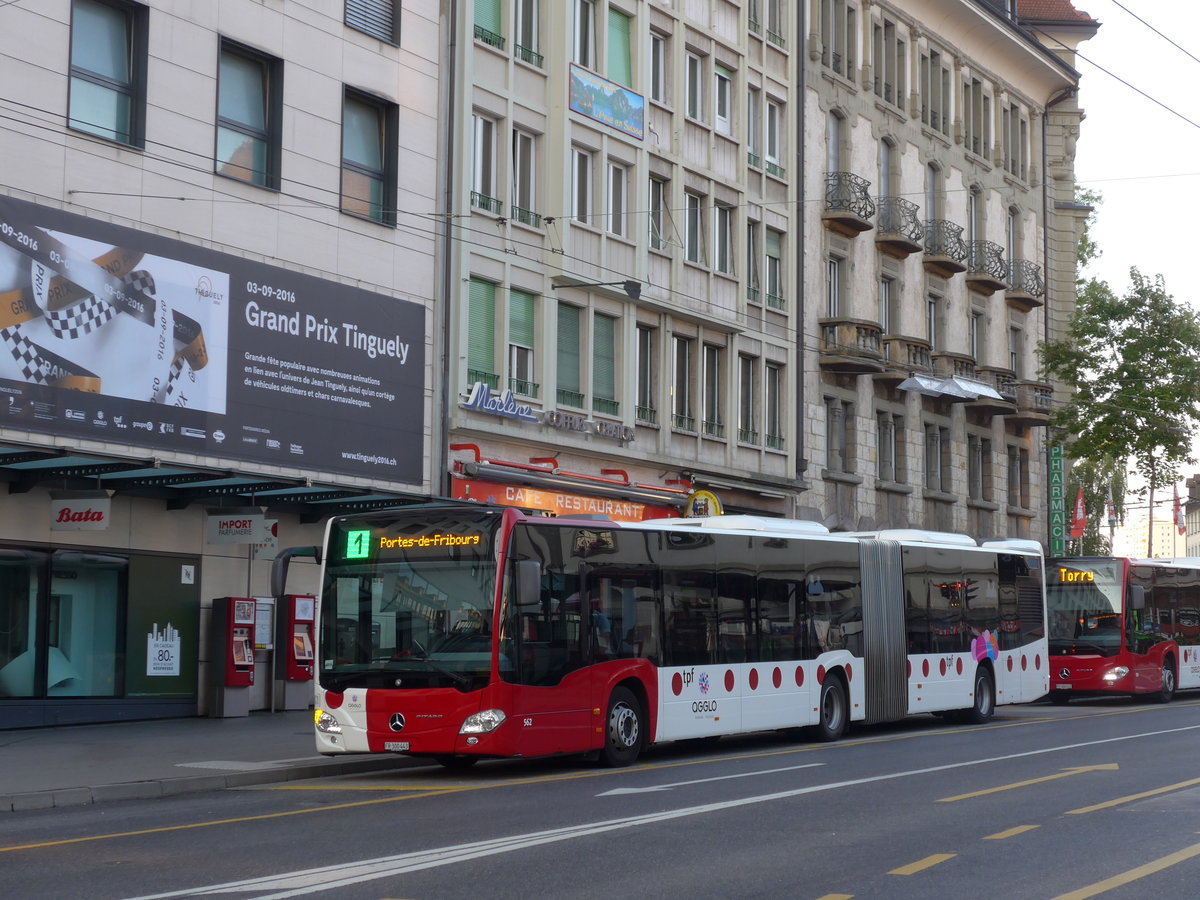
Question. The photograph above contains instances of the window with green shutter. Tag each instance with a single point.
(569, 385)
(520, 343)
(481, 333)
(619, 69)
(604, 368)
(487, 22)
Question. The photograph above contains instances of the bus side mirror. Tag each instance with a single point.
(1137, 596)
(527, 577)
(279, 567)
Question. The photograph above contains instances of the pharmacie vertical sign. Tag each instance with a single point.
(1058, 501)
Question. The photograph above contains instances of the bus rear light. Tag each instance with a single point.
(326, 724)
(483, 722)
(1116, 674)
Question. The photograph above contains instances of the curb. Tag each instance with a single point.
(190, 784)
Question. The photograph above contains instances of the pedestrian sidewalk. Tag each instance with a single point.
(82, 764)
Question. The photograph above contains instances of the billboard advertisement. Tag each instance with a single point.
(118, 335)
(608, 102)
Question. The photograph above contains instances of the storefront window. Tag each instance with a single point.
(19, 590)
(81, 641)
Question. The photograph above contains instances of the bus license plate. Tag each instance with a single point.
(398, 746)
(1064, 687)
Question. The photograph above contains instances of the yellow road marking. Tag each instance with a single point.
(1132, 875)
(837, 897)
(1012, 832)
(1108, 804)
(921, 864)
(1065, 773)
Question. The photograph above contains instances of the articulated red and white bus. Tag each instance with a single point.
(466, 631)
(1126, 626)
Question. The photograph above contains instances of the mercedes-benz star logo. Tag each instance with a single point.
(1064, 674)
(396, 722)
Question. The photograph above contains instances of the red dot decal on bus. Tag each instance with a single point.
(754, 679)
(799, 676)
(924, 668)
(729, 682)
(958, 665)
(820, 674)
(333, 700)
(1037, 662)
(1010, 664)
(941, 667)
(777, 677)
(677, 684)
(908, 668)
(1024, 663)
(849, 672)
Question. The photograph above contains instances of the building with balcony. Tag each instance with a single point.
(938, 231)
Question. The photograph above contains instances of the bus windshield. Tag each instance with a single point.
(407, 600)
(1084, 605)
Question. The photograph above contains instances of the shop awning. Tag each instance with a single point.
(950, 388)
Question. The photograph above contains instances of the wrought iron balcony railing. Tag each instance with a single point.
(524, 388)
(606, 406)
(1026, 277)
(775, 442)
(491, 379)
(486, 203)
(944, 238)
(683, 423)
(898, 231)
(570, 398)
(713, 429)
(986, 258)
(526, 217)
(526, 55)
(646, 415)
(489, 37)
(747, 436)
(847, 192)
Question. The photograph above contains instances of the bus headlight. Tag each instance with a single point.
(1116, 674)
(326, 724)
(483, 722)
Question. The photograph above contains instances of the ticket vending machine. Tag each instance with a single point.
(295, 621)
(231, 656)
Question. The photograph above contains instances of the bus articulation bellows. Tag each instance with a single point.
(466, 631)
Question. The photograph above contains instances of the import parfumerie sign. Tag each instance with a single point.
(127, 337)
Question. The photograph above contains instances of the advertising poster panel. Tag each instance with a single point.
(117, 335)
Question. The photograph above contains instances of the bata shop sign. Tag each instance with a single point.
(80, 511)
(238, 526)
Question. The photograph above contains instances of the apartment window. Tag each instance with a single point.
(646, 406)
(722, 99)
(833, 142)
(753, 263)
(887, 301)
(937, 457)
(618, 176)
(1012, 231)
(979, 467)
(619, 69)
(108, 70)
(754, 127)
(521, 325)
(723, 238)
(487, 23)
(747, 400)
(839, 437)
(714, 419)
(975, 326)
(369, 141)
(659, 67)
(973, 116)
(659, 213)
(524, 179)
(483, 165)
(774, 248)
(374, 17)
(249, 105)
(837, 36)
(570, 383)
(604, 365)
(481, 333)
(773, 406)
(585, 33)
(773, 151)
(693, 228)
(833, 286)
(775, 24)
(695, 86)
(1014, 135)
(935, 91)
(890, 465)
(1015, 355)
(526, 33)
(975, 207)
(581, 193)
(933, 192)
(681, 386)
(890, 63)
(933, 320)
(1018, 477)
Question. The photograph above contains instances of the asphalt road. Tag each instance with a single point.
(1092, 800)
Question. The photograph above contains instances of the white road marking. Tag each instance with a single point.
(306, 881)
(667, 787)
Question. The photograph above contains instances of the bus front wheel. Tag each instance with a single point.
(1167, 691)
(833, 710)
(623, 729)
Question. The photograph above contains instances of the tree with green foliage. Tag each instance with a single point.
(1132, 364)
(1101, 480)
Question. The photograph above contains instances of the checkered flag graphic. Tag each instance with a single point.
(91, 313)
(27, 354)
(172, 379)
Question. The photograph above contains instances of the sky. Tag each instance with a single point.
(1140, 152)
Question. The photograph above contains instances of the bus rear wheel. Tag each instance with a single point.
(985, 699)
(833, 710)
(623, 729)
